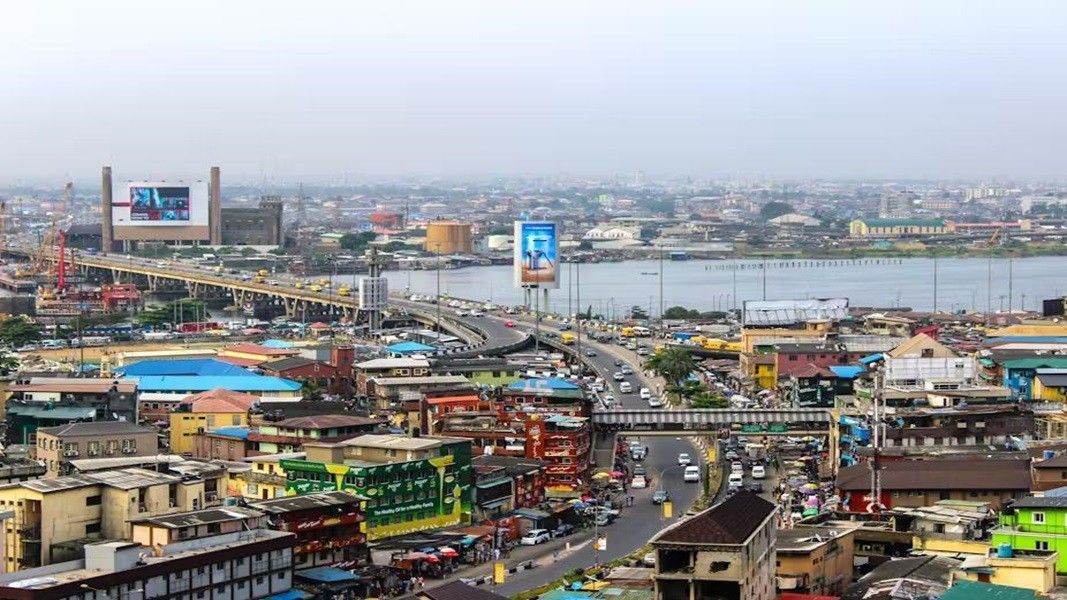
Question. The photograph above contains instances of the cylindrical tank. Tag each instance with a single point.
(1004, 551)
(448, 237)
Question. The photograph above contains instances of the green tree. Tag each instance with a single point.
(357, 242)
(637, 313)
(708, 400)
(681, 312)
(585, 245)
(673, 364)
(775, 209)
(648, 233)
(178, 311)
(18, 331)
(8, 363)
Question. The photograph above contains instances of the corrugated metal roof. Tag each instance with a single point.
(195, 366)
(788, 312)
(183, 383)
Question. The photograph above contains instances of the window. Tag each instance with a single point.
(281, 575)
(91, 528)
(1037, 517)
(92, 500)
(1040, 545)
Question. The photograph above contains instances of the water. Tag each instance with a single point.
(708, 285)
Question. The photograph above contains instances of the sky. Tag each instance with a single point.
(329, 90)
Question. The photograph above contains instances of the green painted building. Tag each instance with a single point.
(413, 484)
(1036, 524)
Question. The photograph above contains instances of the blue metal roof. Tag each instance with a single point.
(234, 432)
(194, 366)
(289, 595)
(847, 371)
(327, 574)
(276, 344)
(409, 347)
(872, 358)
(543, 383)
(187, 383)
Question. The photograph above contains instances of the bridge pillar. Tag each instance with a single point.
(152, 283)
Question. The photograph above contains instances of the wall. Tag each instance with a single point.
(184, 426)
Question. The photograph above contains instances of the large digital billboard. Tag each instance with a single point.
(160, 204)
(536, 259)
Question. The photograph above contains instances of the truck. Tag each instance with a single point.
(568, 338)
(756, 452)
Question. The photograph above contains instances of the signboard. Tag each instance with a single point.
(169, 203)
(161, 204)
(536, 259)
(373, 293)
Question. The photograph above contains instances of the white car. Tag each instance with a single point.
(758, 472)
(534, 537)
(735, 480)
(691, 474)
(618, 376)
(625, 387)
(684, 459)
(645, 393)
(638, 482)
(737, 467)
(655, 402)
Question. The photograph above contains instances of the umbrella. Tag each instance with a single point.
(448, 552)
(808, 491)
(810, 486)
(432, 559)
(618, 474)
(601, 475)
(428, 549)
(810, 512)
(415, 556)
(575, 500)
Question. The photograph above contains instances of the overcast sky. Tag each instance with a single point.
(781, 89)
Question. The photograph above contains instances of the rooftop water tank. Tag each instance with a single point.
(1004, 551)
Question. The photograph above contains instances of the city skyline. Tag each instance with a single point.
(468, 89)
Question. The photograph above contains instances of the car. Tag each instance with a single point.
(625, 387)
(603, 519)
(655, 402)
(626, 370)
(618, 362)
(609, 400)
(640, 470)
(660, 496)
(618, 376)
(509, 323)
(598, 386)
(638, 482)
(642, 351)
(563, 530)
(732, 455)
(691, 474)
(534, 537)
(737, 467)
(755, 487)
(564, 326)
(461, 313)
(735, 480)
(758, 472)
(645, 393)
(684, 459)
(590, 353)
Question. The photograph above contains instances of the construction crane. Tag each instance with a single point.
(46, 249)
(3, 229)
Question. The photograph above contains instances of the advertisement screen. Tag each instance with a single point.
(536, 254)
(159, 204)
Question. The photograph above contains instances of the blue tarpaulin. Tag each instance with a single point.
(326, 574)
(873, 358)
(847, 371)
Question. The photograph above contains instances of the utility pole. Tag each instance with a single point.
(935, 284)
(578, 317)
(764, 277)
(989, 288)
(735, 284)
(537, 318)
(570, 284)
(1011, 281)
(661, 286)
(438, 261)
(876, 426)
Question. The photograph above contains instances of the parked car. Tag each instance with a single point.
(618, 362)
(645, 393)
(563, 530)
(509, 323)
(638, 482)
(684, 459)
(755, 487)
(655, 402)
(660, 496)
(534, 537)
(626, 370)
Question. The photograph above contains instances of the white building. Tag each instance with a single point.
(612, 232)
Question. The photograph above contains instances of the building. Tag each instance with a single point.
(112, 399)
(914, 483)
(55, 517)
(448, 237)
(329, 528)
(1050, 385)
(794, 220)
(726, 551)
(235, 566)
(814, 560)
(206, 411)
(388, 392)
(868, 228)
(1035, 523)
(57, 446)
(457, 590)
(249, 355)
(172, 389)
(1018, 569)
(504, 483)
(1050, 473)
(265, 478)
(169, 529)
(971, 425)
(388, 367)
(916, 577)
(262, 226)
(333, 376)
(413, 484)
(897, 204)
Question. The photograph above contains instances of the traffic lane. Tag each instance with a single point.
(634, 528)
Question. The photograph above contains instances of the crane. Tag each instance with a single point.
(47, 247)
(3, 228)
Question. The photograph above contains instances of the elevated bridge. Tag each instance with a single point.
(771, 421)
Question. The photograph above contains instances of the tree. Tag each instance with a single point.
(648, 233)
(775, 209)
(708, 400)
(585, 245)
(18, 331)
(357, 242)
(637, 313)
(672, 364)
(8, 363)
(681, 312)
(179, 311)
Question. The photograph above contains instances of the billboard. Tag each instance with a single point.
(373, 293)
(161, 204)
(536, 260)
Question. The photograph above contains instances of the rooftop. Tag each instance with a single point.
(97, 428)
(185, 383)
(326, 422)
(195, 366)
(732, 522)
(941, 474)
(290, 362)
(457, 590)
(806, 539)
(201, 517)
(427, 379)
(400, 442)
(132, 478)
(393, 363)
(75, 386)
(903, 222)
(265, 351)
(307, 502)
(410, 348)
(220, 401)
(1041, 502)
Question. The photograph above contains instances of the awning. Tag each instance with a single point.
(495, 503)
(289, 595)
(326, 575)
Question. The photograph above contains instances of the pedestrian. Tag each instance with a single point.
(496, 553)
(422, 582)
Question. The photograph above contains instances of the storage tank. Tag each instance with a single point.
(448, 237)
(1004, 550)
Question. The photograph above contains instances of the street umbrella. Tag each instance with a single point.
(428, 549)
(808, 491)
(432, 559)
(448, 552)
(602, 475)
(811, 512)
(811, 486)
(618, 474)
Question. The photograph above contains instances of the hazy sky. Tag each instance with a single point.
(783, 89)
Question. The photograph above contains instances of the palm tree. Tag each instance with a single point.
(672, 364)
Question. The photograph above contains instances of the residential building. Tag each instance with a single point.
(111, 399)
(965, 589)
(980, 425)
(178, 527)
(266, 479)
(1035, 523)
(334, 376)
(814, 560)
(236, 566)
(949, 527)
(895, 228)
(57, 446)
(413, 484)
(387, 392)
(55, 517)
(248, 226)
(914, 483)
(1026, 569)
(917, 577)
(388, 367)
(1050, 385)
(156, 408)
(726, 551)
(329, 527)
(166, 389)
(1050, 473)
(206, 411)
(527, 477)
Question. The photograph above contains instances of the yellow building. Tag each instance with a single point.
(864, 228)
(757, 345)
(204, 412)
(1050, 385)
(266, 479)
(1029, 569)
(448, 237)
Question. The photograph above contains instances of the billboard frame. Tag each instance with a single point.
(536, 241)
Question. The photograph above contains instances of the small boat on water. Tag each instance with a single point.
(650, 272)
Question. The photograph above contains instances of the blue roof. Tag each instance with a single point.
(192, 383)
(409, 347)
(192, 366)
(866, 360)
(327, 574)
(847, 371)
(234, 432)
(276, 344)
(1035, 339)
(293, 594)
(543, 383)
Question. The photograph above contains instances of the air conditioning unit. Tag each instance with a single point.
(70, 453)
(128, 450)
(109, 451)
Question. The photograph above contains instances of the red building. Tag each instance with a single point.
(564, 443)
(327, 528)
(802, 360)
(334, 376)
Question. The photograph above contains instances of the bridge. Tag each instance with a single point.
(482, 337)
(770, 421)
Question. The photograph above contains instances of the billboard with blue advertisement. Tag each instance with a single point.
(536, 254)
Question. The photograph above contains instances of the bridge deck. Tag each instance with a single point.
(710, 416)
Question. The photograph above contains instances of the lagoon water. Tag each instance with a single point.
(709, 285)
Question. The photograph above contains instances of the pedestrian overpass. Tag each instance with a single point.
(758, 421)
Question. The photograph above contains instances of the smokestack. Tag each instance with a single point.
(214, 203)
(106, 230)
